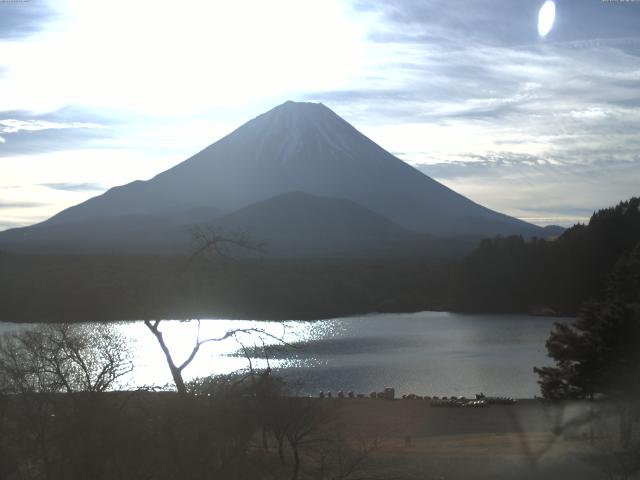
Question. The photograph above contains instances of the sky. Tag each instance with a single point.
(95, 94)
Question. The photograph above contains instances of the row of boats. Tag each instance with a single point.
(480, 401)
(388, 393)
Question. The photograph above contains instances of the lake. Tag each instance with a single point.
(428, 353)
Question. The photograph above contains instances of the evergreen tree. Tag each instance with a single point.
(599, 354)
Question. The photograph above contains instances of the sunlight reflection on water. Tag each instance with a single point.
(435, 353)
(215, 358)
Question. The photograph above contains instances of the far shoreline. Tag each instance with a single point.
(258, 318)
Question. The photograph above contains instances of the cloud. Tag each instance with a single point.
(20, 19)
(24, 133)
(537, 190)
(74, 187)
(500, 22)
(12, 125)
(485, 63)
(19, 204)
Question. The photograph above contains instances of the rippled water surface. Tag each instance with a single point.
(431, 353)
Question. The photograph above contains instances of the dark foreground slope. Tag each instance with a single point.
(55, 288)
(130, 435)
(299, 225)
(504, 274)
(291, 225)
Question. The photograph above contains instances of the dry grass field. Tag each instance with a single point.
(522, 441)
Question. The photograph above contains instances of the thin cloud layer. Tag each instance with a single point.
(539, 192)
(20, 204)
(12, 125)
(74, 187)
(23, 133)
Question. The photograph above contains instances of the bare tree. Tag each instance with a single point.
(342, 455)
(175, 368)
(305, 418)
(206, 241)
(209, 243)
(46, 371)
(64, 358)
(296, 421)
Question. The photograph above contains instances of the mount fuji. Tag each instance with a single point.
(298, 155)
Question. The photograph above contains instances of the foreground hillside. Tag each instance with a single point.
(511, 274)
(165, 436)
(504, 274)
(49, 288)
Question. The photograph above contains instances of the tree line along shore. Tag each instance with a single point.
(503, 274)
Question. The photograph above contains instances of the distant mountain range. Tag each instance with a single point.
(298, 179)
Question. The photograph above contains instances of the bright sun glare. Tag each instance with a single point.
(129, 55)
(546, 18)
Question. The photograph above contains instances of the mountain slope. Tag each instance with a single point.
(302, 225)
(292, 225)
(133, 233)
(307, 148)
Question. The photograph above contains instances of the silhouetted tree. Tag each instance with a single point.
(342, 455)
(598, 355)
(64, 358)
(206, 242)
(55, 377)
